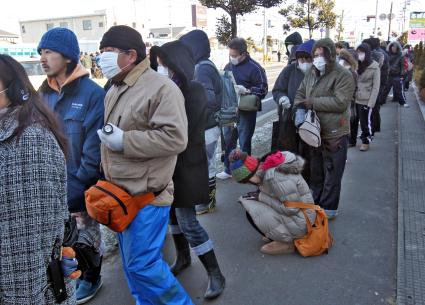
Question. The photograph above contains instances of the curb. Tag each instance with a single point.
(400, 293)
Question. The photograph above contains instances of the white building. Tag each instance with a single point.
(90, 27)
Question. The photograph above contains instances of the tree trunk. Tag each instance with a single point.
(234, 23)
(310, 30)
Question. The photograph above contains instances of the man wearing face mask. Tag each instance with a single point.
(328, 89)
(148, 129)
(78, 102)
(250, 78)
(284, 91)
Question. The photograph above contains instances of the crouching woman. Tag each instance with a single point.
(278, 176)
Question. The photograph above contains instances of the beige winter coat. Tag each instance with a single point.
(283, 183)
(150, 109)
(368, 85)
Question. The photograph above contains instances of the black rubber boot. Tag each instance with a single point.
(216, 280)
(182, 254)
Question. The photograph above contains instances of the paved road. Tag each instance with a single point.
(359, 270)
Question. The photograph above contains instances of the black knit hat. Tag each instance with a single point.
(125, 38)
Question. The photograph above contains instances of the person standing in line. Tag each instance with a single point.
(207, 74)
(291, 44)
(33, 191)
(149, 130)
(381, 58)
(78, 101)
(251, 79)
(284, 91)
(396, 73)
(328, 89)
(350, 62)
(190, 178)
(369, 80)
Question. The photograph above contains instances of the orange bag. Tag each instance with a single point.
(318, 238)
(112, 206)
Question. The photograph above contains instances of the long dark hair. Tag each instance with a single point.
(29, 106)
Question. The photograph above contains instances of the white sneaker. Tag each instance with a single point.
(223, 175)
(406, 105)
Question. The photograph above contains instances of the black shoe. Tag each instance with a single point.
(216, 280)
(182, 254)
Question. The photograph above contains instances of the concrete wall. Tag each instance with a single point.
(31, 31)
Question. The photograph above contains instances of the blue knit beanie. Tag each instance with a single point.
(305, 47)
(61, 40)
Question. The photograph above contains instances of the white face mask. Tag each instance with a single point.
(234, 60)
(163, 70)
(109, 64)
(362, 56)
(4, 90)
(305, 66)
(320, 63)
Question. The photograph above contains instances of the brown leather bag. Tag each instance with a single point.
(318, 239)
(112, 206)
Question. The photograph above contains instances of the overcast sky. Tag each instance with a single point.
(157, 11)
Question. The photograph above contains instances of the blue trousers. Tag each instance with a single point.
(149, 277)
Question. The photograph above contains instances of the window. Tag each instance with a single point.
(87, 25)
(49, 26)
(23, 29)
(101, 24)
(63, 24)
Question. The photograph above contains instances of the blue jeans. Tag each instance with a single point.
(183, 220)
(148, 276)
(246, 128)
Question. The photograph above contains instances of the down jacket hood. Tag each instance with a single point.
(177, 57)
(399, 49)
(293, 164)
(348, 57)
(295, 39)
(198, 43)
(328, 44)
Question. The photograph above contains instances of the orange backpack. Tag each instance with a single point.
(112, 206)
(318, 238)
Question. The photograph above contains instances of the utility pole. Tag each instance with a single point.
(265, 36)
(171, 24)
(390, 17)
(135, 14)
(340, 26)
(376, 18)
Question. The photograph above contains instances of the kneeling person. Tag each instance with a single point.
(279, 179)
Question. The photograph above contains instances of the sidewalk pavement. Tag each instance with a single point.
(361, 268)
(411, 204)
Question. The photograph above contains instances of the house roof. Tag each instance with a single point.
(4, 34)
(64, 17)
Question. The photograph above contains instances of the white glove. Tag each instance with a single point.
(241, 90)
(113, 141)
(285, 102)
